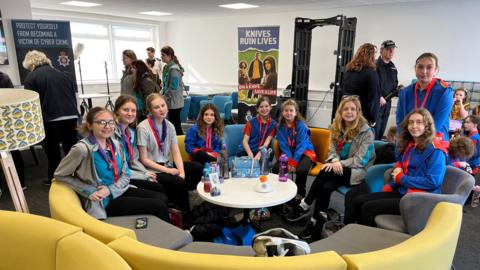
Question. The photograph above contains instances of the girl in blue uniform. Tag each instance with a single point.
(427, 92)
(259, 131)
(203, 141)
(293, 137)
(471, 130)
(421, 167)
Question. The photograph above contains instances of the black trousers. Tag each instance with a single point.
(57, 132)
(350, 214)
(202, 157)
(301, 173)
(193, 174)
(138, 201)
(174, 117)
(323, 186)
(368, 206)
(175, 189)
(382, 119)
(148, 185)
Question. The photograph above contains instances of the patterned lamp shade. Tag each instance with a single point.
(21, 123)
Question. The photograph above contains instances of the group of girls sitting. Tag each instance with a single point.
(118, 170)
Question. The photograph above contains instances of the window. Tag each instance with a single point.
(104, 43)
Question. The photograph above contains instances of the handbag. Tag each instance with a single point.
(245, 167)
(278, 242)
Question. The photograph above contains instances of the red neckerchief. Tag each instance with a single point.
(128, 142)
(429, 87)
(406, 162)
(340, 145)
(208, 138)
(472, 133)
(267, 125)
(291, 141)
(114, 162)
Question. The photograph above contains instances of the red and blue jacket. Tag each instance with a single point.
(295, 141)
(437, 98)
(210, 142)
(475, 160)
(258, 131)
(423, 171)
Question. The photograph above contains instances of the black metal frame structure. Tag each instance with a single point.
(302, 52)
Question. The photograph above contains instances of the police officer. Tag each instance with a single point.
(387, 75)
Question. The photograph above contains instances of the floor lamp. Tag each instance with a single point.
(21, 126)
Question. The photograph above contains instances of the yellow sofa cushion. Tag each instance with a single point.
(432, 248)
(143, 257)
(65, 206)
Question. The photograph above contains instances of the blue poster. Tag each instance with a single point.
(50, 37)
(257, 67)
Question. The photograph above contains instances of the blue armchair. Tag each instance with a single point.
(223, 104)
(186, 108)
(195, 106)
(233, 135)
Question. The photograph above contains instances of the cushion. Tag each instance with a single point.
(215, 248)
(158, 232)
(355, 238)
(391, 222)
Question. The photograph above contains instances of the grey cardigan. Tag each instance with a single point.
(77, 170)
(360, 156)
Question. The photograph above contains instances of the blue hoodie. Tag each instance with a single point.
(301, 142)
(194, 142)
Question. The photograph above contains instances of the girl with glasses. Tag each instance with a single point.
(97, 170)
(427, 92)
(351, 152)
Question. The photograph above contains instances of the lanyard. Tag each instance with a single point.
(406, 162)
(154, 128)
(267, 125)
(208, 138)
(112, 163)
(127, 141)
(429, 87)
(291, 141)
(340, 145)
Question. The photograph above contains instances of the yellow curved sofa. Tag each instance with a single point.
(34, 242)
(432, 248)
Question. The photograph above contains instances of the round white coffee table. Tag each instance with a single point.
(240, 193)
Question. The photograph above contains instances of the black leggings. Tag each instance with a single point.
(152, 186)
(301, 173)
(368, 206)
(323, 186)
(138, 201)
(202, 157)
(193, 174)
(174, 117)
(350, 214)
(175, 189)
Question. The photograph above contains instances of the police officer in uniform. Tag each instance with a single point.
(387, 75)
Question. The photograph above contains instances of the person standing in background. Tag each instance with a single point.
(155, 64)
(6, 82)
(388, 78)
(361, 80)
(126, 82)
(59, 106)
(173, 87)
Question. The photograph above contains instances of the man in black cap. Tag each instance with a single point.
(387, 75)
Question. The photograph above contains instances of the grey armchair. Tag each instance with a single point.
(415, 208)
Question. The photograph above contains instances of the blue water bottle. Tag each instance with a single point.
(283, 168)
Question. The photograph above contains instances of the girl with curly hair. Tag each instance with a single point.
(351, 152)
(421, 167)
(203, 141)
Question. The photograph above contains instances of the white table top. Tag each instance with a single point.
(93, 95)
(240, 193)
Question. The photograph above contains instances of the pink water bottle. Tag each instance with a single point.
(283, 168)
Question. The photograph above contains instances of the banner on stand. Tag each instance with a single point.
(257, 67)
(50, 37)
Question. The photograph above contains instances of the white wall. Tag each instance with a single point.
(17, 9)
(208, 47)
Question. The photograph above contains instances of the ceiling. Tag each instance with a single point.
(192, 9)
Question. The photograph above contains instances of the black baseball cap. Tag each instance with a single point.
(388, 44)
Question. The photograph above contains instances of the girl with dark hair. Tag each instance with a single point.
(270, 79)
(471, 129)
(157, 141)
(143, 85)
(259, 131)
(96, 169)
(293, 137)
(126, 82)
(350, 154)
(427, 92)
(421, 167)
(203, 141)
(173, 86)
(361, 79)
